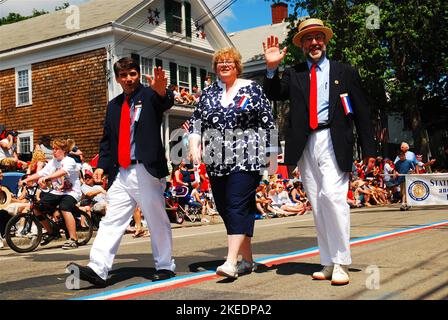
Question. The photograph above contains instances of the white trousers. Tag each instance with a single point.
(133, 186)
(327, 186)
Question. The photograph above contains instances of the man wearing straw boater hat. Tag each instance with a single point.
(326, 98)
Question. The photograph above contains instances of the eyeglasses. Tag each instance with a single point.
(225, 62)
(309, 38)
(126, 74)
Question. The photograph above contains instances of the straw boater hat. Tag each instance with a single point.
(311, 25)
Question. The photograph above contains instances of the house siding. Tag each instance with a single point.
(69, 100)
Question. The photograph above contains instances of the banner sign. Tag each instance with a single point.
(427, 189)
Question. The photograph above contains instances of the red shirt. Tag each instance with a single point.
(205, 183)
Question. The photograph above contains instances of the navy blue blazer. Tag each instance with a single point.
(148, 142)
(295, 86)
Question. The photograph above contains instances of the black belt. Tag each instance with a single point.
(136, 161)
(321, 126)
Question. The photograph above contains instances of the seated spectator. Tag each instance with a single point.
(94, 196)
(195, 93)
(263, 204)
(299, 195)
(280, 200)
(8, 155)
(177, 97)
(352, 202)
(38, 162)
(420, 167)
(374, 198)
(45, 146)
(381, 194)
(198, 201)
(186, 97)
(75, 153)
(362, 193)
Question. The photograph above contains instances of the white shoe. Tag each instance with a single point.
(324, 274)
(1, 242)
(245, 266)
(340, 275)
(228, 270)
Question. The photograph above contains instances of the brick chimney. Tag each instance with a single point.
(279, 12)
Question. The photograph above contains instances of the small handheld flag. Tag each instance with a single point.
(243, 102)
(346, 103)
(186, 126)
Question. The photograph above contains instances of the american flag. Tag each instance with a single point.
(186, 126)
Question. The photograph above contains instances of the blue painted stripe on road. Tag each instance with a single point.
(148, 285)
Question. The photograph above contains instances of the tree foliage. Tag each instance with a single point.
(13, 17)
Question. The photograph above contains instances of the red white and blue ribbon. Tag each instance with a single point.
(346, 103)
(243, 102)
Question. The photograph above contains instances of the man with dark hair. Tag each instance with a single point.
(326, 99)
(132, 154)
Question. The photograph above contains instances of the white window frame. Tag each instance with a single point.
(182, 17)
(25, 134)
(143, 70)
(30, 91)
(189, 77)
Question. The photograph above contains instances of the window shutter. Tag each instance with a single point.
(203, 75)
(173, 73)
(187, 20)
(169, 15)
(194, 81)
(159, 63)
(136, 57)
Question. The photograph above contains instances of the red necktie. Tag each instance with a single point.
(124, 138)
(313, 98)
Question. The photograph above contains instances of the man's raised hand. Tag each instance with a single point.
(272, 53)
(159, 82)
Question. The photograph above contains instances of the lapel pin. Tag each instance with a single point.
(336, 81)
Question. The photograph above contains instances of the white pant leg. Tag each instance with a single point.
(152, 203)
(120, 209)
(312, 180)
(328, 187)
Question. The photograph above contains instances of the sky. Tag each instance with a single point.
(243, 14)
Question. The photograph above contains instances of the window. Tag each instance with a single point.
(146, 68)
(23, 86)
(184, 80)
(177, 17)
(25, 142)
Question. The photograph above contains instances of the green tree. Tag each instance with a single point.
(13, 17)
(403, 63)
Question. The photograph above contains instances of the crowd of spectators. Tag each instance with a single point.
(377, 182)
(381, 180)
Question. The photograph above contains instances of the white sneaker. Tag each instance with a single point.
(340, 275)
(324, 274)
(228, 270)
(245, 266)
(1, 242)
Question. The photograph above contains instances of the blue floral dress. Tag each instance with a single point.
(237, 128)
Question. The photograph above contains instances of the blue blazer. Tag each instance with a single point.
(148, 142)
(295, 86)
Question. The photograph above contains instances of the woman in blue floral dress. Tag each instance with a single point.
(231, 130)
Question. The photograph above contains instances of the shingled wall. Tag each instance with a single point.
(69, 98)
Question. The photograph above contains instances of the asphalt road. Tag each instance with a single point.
(387, 265)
